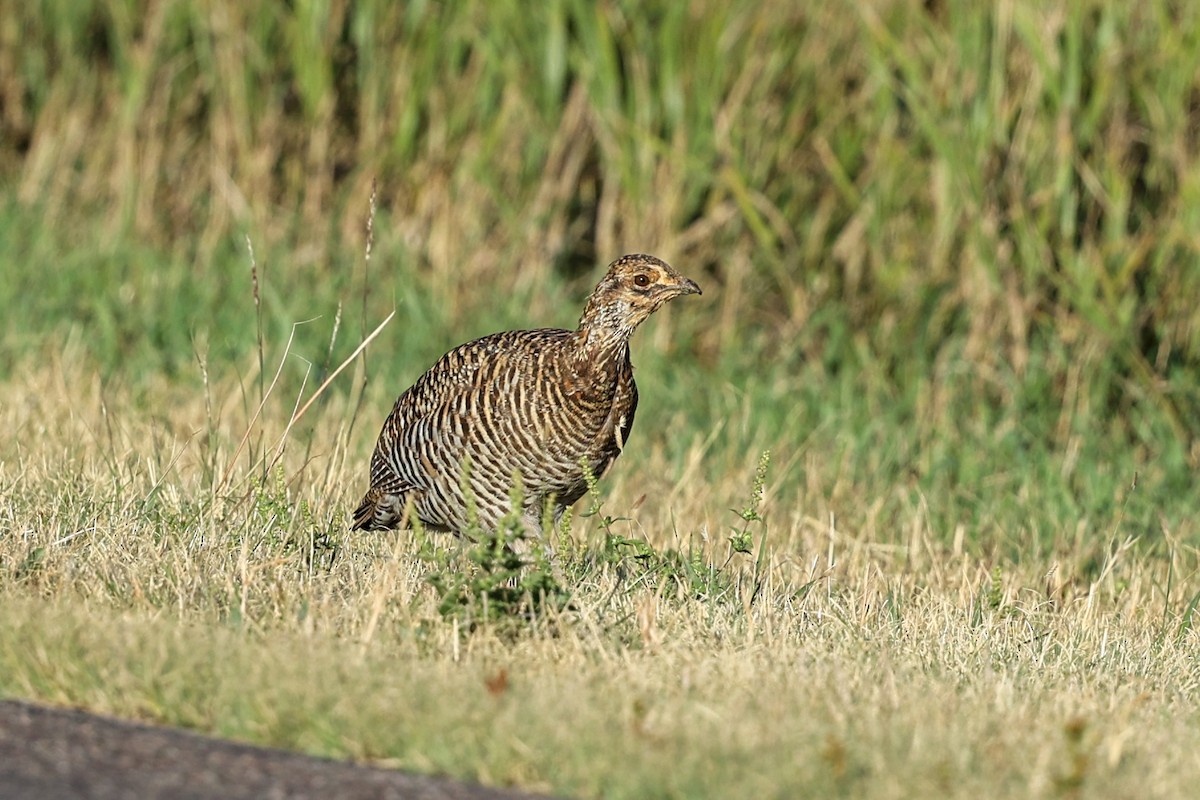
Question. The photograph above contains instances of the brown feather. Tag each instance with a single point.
(522, 406)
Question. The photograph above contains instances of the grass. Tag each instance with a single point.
(949, 277)
(855, 650)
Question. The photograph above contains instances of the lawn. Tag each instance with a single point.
(910, 507)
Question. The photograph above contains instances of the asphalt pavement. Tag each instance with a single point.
(59, 754)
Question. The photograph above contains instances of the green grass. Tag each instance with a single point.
(950, 278)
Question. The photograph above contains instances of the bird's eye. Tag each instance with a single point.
(641, 280)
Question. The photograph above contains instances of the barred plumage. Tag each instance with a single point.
(521, 406)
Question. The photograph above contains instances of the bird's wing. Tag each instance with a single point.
(385, 478)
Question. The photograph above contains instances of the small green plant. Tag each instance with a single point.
(596, 509)
(994, 599)
(741, 540)
(508, 575)
(31, 565)
(270, 508)
(288, 526)
(692, 571)
(318, 541)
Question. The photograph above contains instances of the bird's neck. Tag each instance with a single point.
(607, 323)
(602, 347)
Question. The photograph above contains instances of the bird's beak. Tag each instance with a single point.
(688, 286)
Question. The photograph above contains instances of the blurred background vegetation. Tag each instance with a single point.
(949, 250)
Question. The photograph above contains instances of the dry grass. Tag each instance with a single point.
(865, 666)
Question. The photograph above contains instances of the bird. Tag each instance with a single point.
(540, 410)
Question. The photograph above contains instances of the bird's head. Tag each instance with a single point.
(633, 288)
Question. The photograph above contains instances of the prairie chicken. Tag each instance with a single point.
(524, 408)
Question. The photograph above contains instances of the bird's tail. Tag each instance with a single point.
(379, 511)
(369, 514)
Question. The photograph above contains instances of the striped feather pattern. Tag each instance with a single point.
(521, 406)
